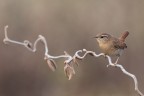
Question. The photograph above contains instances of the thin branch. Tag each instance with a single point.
(69, 60)
(115, 65)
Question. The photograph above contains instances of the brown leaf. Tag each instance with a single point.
(51, 64)
(69, 71)
(75, 61)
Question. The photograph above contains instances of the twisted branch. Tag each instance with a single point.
(69, 60)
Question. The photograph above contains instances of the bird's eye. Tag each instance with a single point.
(102, 37)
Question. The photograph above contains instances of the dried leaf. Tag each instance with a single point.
(69, 71)
(75, 61)
(51, 64)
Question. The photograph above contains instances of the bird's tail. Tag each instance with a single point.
(123, 36)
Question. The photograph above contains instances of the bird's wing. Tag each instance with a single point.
(119, 44)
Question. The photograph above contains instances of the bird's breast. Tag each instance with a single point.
(105, 47)
(108, 49)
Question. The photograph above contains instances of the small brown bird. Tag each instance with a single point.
(110, 45)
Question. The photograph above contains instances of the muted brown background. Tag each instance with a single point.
(69, 25)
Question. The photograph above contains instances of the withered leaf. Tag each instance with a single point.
(52, 65)
(69, 71)
(75, 61)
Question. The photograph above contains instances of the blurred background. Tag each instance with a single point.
(69, 25)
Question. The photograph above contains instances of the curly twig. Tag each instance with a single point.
(69, 60)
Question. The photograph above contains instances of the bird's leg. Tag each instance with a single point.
(105, 56)
(116, 60)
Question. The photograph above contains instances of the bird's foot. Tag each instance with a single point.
(116, 62)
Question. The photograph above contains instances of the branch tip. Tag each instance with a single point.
(84, 50)
(6, 27)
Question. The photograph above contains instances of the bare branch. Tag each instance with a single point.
(69, 60)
